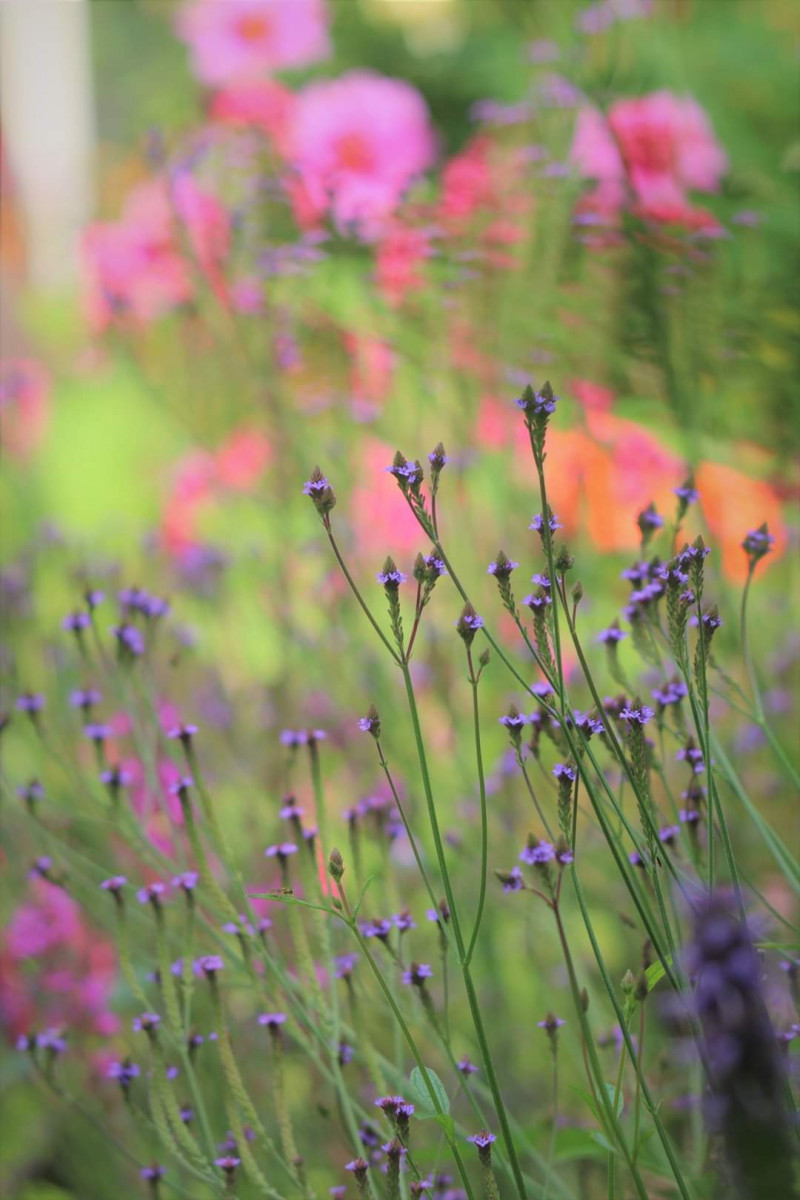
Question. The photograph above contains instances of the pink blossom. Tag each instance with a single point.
(467, 182)
(244, 39)
(594, 150)
(262, 104)
(136, 265)
(382, 521)
(661, 146)
(398, 262)
(357, 143)
(24, 405)
(242, 459)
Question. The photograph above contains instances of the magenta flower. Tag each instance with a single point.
(235, 40)
(358, 142)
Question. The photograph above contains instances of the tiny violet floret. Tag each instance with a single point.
(540, 852)
(537, 523)
(637, 714)
(416, 975)
(272, 1019)
(483, 1139)
(146, 1022)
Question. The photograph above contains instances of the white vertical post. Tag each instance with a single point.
(47, 114)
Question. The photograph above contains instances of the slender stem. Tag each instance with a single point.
(484, 816)
(357, 593)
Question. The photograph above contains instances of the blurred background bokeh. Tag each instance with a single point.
(226, 258)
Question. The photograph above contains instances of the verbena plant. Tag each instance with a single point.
(273, 1055)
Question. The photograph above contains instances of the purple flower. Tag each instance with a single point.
(410, 473)
(272, 1019)
(550, 1023)
(466, 1067)
(281, 850)
(227, 1163)
(416, 975)
(513, 720)
(758, 543)
(537, 600)
(124, 1072)
(151, 894)
(51, 1040)
(74, 622)
(377, 929)
(537, 523)
(671, 693)
(668, 834)
(501, 568)
(146, 1021)
(153, 1173)
(537, 403)
(114, 884)
(358, 1166)
(511, 880)
(649, 520)
(404, 921)
(482, 1140)
(129, 639)
(115, 778)
(85, 698)
(30, 702)
(183, 734)
(315, 486)
(30, 791)
(188, 881)
(687, 492)
(637, 715)
(97, 732)
(293, 737)
(564, 771)
(371, 723)
(542, 852)
(611, 635)
(209, 964)
(344, 964)
(392, 578)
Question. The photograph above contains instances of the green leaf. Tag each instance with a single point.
(422, 1095)
(655, 972)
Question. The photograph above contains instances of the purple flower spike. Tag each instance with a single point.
(639, 715)
(416, 975)
(483, 1139)
(542, 852)
(537, 523)
(272, 1020)
(30, 702)
(466, 1067)
(114, 884)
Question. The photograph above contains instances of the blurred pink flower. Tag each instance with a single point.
(371, 372)
(398, 262)
(264, 104)
(24, 405)
(135, 266)
(56, 970)
(358, 142)
(667, 144)
(382, 521)
(592, 396)
(242, 39)
(242, 459)
(467, 181)
(661, 145)
(594, 150)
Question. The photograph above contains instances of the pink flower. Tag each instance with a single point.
(661, 146)
(242, 459)
(398, 262)
(594, 151)
(667, 145)
(371, 373)
(263, 104)
(243, 39)
(382, 521)
(358, 142)
(467, 183)
(24, 405)
(136, 266)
